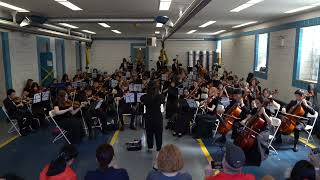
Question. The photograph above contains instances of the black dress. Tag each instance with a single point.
(72, 125)
(172, 102)
(154, 119)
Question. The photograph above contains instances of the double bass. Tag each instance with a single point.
(232, 114)
(247, 139)
(289, 120)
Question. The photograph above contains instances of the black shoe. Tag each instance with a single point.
(174, 134)
(295, 149)
(179, 135)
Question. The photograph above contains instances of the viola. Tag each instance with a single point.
(74, 104)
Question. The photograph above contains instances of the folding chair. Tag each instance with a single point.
(309, 128)
(14, 123)
(275, 122)
(96, 123)
(62, 133)
(85, 127)
(217, 123)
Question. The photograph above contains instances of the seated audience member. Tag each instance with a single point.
(232, 163)
(169, 163)
(60, 169)
(303, 170)
(106, 171)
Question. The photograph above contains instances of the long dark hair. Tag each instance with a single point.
(67, 153)
(303, 170)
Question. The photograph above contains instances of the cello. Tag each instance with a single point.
(248, 138)
(232, 114)
(289, 120)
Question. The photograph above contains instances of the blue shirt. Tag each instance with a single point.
(157, 175)
(109, 174)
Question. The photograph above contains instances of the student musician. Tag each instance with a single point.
(27, 88)
(123, 106)
(259, 151)
(172, 99)
(124, 65)
(17, 110)
(64, 116)
(159, 64)
(65, 78)
(38, 108)
(272, 106)
(306, 105)
(312, 97)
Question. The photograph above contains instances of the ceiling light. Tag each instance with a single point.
(3, 4)
(69, 5)
(157, 32)
(90, 32)
(207, 24)
(68, 25)
(159, 25)
(25, 22)
(192, 31)
(104, 25)
(301, 8)
(116, 31)
(218, 32)
(245, 24)
(246, 5)
(164, 5)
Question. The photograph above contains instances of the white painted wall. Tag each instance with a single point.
(23, 58)
(70, 57)
(238, 55)
(107, 54)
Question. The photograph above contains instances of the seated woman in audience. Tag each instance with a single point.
(303, 170)
(105, 157)
(60, 169)
(169, 163)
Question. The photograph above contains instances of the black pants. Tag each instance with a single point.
(158, 137)
(296, 133)
(73, 127)
(204, 126)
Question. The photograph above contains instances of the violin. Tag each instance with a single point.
(74, 104)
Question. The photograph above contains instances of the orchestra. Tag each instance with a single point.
(199, 99)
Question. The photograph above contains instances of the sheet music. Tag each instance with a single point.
(128, 74)
(192, 103)
(139, 96)
(131, 87)
(130, 98)
(137, 87)
(36, 98)
(225, 101)
(45, 95)
(180, 91)
(114, 83)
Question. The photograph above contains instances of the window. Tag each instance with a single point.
(309, 54)
(218, 46)
(262, 43)
(218, 51)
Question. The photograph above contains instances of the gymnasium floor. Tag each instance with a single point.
(27, 155)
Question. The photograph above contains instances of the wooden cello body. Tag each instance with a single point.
(247, 139)
(289, 122)
(227, 124)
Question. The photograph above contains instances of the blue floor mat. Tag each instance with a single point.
(272, 165)
(26, 156)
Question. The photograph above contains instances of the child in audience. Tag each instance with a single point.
(106, 169)
(303, 170)
(60, 169)
(169, 163)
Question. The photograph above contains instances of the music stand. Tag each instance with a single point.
(130, 98)
(225, 101)
(192, 103)
(36, 98)
(45, 96)
(128, 75)
(164, 77)
(114, 83)
(180, 91)
(139, 96)
(131, 87)
(137, 87)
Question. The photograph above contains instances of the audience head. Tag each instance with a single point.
(11, 93)
(303, 170)
(170, 159)
(65, 158)
(10, 176)
(233, 160)
(104, 155)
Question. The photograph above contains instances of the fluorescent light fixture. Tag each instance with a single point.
(104, 25)
(69, 5)
(164, 5)
(159, 25)
(245, 24)
(6, 5)
(218, 32)
(157, 32)
(207, 24)
(25, 22)
(302, 8)
(116, 31)
(68, 25)
(246, 5)
(192, 31)
(87, 31)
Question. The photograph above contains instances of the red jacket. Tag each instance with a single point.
(67, 174)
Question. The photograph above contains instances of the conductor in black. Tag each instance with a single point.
(153, 117)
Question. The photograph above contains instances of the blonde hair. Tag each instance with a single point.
(170, 159)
